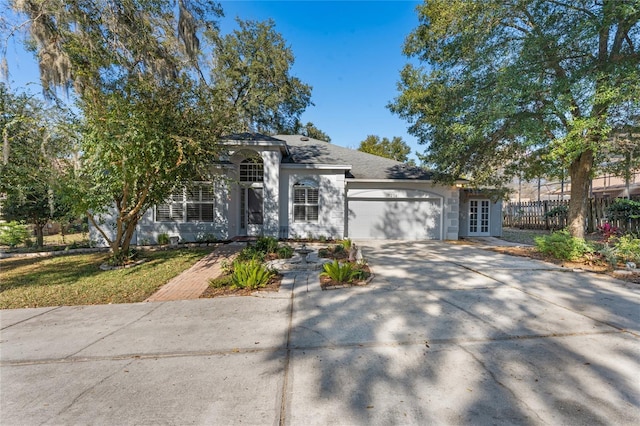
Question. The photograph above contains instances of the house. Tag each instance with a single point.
(292, 186)
(612, 186)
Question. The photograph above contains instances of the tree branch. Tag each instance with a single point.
(574, 7)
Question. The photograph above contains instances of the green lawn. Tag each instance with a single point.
(522, 236)
(78, 280)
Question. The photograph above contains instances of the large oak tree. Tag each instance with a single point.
(395, 149)
(147, 120)
(251, 72)
(499, 87)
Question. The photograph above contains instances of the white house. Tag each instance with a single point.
(291, 186)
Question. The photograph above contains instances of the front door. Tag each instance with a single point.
(478, 218)
(251, 211)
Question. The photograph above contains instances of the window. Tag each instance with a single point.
(192, 204)
(200, 202)
(173, 210)
(251, 170)
(305, 201)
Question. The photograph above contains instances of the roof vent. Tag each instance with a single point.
(304, 138)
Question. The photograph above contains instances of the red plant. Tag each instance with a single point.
(608, 231)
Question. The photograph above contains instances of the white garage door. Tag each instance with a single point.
(393, 219)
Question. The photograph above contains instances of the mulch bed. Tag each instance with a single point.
(584, 264)
(327, 283)
(272, 286)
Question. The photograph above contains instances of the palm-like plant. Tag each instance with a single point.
(339, 272)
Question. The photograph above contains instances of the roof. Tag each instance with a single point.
(250, 137)
(305, 150)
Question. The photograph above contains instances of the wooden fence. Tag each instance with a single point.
(532, 215)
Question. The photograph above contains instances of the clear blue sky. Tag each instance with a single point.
(349, 51)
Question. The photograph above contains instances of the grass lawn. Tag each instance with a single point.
(522, 236)
(78, 280)
(59, 239)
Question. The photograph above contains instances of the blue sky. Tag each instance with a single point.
(349, 51)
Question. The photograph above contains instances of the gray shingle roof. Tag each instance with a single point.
(251, 137)
(364, 165)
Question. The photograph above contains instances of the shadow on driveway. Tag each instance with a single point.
(450, 334)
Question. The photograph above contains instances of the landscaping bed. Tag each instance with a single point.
(347, 269)
(273, 286)
(605, 252)
(327, 283)
(248, 271)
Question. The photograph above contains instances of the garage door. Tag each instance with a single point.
(395, 219)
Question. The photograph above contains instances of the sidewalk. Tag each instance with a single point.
(194, 281)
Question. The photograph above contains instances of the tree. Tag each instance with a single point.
(149, 120)
(33, 160)
(251, 73)
(502, 79)
(311, 131)
(395, 149)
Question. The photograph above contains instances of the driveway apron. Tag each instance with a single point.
(444, 334)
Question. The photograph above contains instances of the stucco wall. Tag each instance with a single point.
(331, 204)
(107, 223)
(271, 185)
(495, 213)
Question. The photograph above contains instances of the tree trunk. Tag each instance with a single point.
(580, 172)
(128, 234)
(39, 234)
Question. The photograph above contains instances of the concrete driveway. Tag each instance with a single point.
(444, 334)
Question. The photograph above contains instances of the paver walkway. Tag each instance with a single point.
(194, 281)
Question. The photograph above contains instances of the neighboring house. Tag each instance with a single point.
(610, 186)
(292, 186)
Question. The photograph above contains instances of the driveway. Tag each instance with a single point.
(444, 334)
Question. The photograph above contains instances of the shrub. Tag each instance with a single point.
(609, 253)
(226, 267)
(360, 274)
(324, 252)
(624, 209)
(339, 272)
(338, 249)
(562, 245)
(220, 282)
(250, 253)
(628, 249)
(252, 274)
(163, 239)
(558, 211)
(608, 231)
(13, 233)
(267, 244)
(346, 244)
(285, 252)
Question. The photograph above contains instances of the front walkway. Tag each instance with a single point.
(194, 281)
